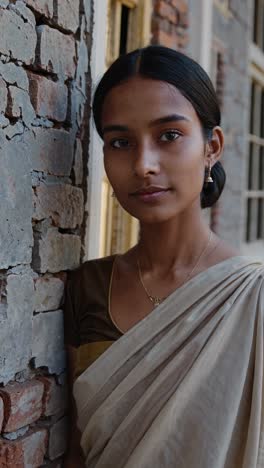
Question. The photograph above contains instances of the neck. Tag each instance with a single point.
(174, 244)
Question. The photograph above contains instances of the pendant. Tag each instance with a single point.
(156, 301)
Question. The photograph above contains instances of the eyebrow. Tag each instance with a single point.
(161, 120)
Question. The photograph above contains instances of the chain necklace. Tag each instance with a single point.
(156, 301)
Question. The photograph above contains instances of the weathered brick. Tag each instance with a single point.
(56, 52)
(58, 439)
(27, 452)
(63, 203)
(163, 38)
(48, 294)
(19, 105)
(15, 182)
(3, 96)
(23, 404)
(14, 75)
(18, 37)
(68, 14)
(167, 11)
(78, 163)
(43, 7)
(48, 343)
(180, 5)
(49, 98)
(55, 252)
(50, 150)
(1, 414)
(55, 397)
(16, 326)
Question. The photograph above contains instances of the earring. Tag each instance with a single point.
(208, 179)
(113, 195)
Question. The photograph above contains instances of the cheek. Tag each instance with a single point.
(188, 166)
(115, 171)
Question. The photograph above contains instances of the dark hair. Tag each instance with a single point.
(164, 64)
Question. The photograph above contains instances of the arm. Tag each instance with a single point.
(74, 456)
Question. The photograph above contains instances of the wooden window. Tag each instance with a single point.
(129, 23)
(255, 173)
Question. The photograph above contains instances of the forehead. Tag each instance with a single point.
(143, 99)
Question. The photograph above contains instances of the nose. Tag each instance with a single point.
(146, 161)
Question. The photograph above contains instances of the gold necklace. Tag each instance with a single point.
(156, 300)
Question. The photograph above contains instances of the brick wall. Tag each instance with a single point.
(44, 118)
(170, 23)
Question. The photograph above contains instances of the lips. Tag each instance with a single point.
(150, 190)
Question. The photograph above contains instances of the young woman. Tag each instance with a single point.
(169, 335)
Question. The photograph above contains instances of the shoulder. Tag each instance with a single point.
(91, 269)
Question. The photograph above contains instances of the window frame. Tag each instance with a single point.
(256, 73)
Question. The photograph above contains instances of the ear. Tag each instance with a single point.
(214, 147)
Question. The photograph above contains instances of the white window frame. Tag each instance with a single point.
(201, 13)
(256, 71)
(95, 161)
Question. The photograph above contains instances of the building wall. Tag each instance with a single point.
(231, 38)
(44, 133)
(170, 23)
(179, 24)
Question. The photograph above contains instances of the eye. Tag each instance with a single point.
(120, 143)
(170, 135)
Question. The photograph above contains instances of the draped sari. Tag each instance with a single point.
(183, 388)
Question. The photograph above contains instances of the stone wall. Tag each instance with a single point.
(44, 133)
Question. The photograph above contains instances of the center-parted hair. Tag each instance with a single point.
(164, 64)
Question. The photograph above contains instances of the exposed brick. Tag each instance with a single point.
(27, 452)
(168, 40)
(3, 96)
(55, 397)
(18, 38)
(180, 5)
(23, 404)
(51, 150)
(68, 14)
(78, 163)
(1, 414)
(167, 11)
(19, 105)
(14, 75)
(48, 341)
(15, 183)
(43, 7)
(49, 98)
(48, 294)
(56, 51)
(55, 252)
(63, 203)
(58, 439)
(170, 22)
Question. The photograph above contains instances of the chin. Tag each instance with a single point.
(151, 215)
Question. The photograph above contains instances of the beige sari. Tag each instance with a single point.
(184, 388)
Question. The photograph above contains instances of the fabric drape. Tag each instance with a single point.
(184, 387)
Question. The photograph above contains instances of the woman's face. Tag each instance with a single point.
(154, 150)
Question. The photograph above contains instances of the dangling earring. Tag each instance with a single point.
(113, 194)
(208, 179)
